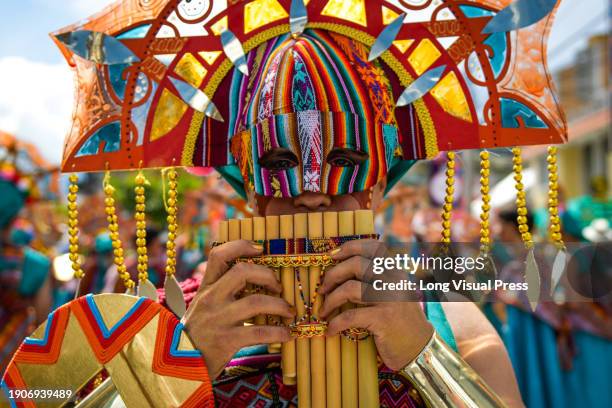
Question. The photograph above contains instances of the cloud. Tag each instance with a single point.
(36, 103)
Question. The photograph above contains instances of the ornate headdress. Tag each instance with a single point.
(166, 83)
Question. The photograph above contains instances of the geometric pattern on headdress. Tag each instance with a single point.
(136, 341)
(495, 92)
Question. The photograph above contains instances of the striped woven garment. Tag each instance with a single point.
(313, 94)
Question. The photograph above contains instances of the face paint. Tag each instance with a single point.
(316, 116)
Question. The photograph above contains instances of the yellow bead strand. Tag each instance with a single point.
(554, 227)
(449, 198)
(141, 228)
(171, 208)
(73, 227)
(113, 228)
(521, 198)
(485, 240)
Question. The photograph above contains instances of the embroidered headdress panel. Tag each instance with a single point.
(314, 93)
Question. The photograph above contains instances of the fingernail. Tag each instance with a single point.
(335, 252)
(257, 247)
(321, 290)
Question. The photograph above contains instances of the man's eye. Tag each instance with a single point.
(278, 159)
(281, 164)
(341, 157)
(341, 162)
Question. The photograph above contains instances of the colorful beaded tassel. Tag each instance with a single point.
(73, 230)
(449, 198)
(145, 287)
(113, 227)
(554, 227)
(174, 294)
(532, 273)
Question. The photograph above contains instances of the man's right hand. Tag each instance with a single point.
(215, 319)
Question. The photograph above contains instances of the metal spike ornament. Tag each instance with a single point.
(73, 231)
(532, 272)
(174, 293)
(197, 99)
(298, 17)
(113, 228)
(554, 227)
(145, 287)
(421, 86)
(97, 47)
(519, 14)
(386, 37)
(234, 51)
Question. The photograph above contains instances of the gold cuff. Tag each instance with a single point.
(443, 379)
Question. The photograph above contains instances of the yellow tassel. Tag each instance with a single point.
(73, 227)
(521, 198)
(113, 228)
(141, 228)
(485, 242)
(449, 198)
(171, 209)
(554, 227)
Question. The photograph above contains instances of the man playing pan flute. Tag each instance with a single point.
(318, 156)
(311, 107)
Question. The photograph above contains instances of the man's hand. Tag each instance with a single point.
(400, 328)
(215, 318)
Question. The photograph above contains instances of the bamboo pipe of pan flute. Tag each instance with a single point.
(317, 344)
(259, 234)
(246, 232)
(333, 360)
(366, 349)
(288, 357)
(223, 231)
(348, 348)
(300, 230)
(273, 232)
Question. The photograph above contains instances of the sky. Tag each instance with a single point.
(36, 85)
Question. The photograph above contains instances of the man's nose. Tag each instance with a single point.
(312, 201)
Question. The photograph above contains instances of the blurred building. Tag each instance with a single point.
(584, 90)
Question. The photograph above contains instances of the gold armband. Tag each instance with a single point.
(444, 380)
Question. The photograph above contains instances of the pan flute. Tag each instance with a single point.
(330, 371)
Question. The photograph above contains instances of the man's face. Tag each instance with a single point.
(317, 202)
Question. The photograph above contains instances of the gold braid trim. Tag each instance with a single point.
(247, 46)
(289, 261)
(191, 138)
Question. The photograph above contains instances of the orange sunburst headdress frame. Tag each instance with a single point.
(153, 77)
